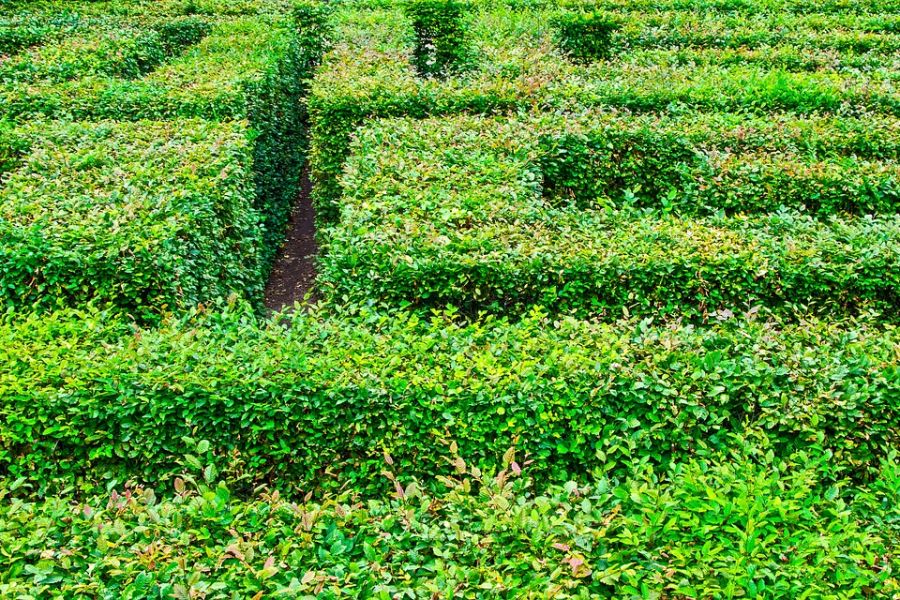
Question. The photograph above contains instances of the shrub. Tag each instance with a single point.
(441, 36)
(738, 524)
(585, 36)
(148, 216)
(252, 68)
(450, 211)
(127, 53)
(87, 399)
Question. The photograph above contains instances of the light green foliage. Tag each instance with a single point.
(741, 524)
(88, 400)
(148, 216)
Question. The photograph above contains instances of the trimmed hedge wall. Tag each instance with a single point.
(743, 524)
(87, 399)
(450, 211)
(249, 68)
(367, 75)
(148, 216)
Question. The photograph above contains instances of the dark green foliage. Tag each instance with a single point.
(697, 164)
(585, 36)
(607, 164)
(13, 146)
(441, 36)
(147, 216)
(26, 30)
(743, 523)
(88, 400)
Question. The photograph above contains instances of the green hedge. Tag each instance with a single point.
(450, 211)
(122, 52)
(367, 75)
(441, 36)
(585, 36)
(88, 400)
(842, 8)
(699, 164)
(743, 524)
(252, 68)
(50, 9)
(148, 216)
(13, 146)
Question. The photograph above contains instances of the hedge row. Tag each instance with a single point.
(703, 163)
(148, 216)
(87, 399)
(367, 75)
(124, 52)
(669, 29)
(876, 9)
(788, 58)
(745, 524)
(450, 211)
(17, 10)
(251, 68)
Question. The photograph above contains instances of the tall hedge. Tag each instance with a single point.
(148, 216)
(88, 400)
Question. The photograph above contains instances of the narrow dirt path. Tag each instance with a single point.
(294, 271)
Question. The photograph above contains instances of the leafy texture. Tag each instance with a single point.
(85, 399)
(147, 216)
(742, 524)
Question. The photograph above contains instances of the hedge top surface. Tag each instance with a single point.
(452, 210)
(147, 215)
(211, 79)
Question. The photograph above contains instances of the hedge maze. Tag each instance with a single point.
(603, 285)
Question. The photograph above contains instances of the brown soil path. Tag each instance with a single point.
(294, 271)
